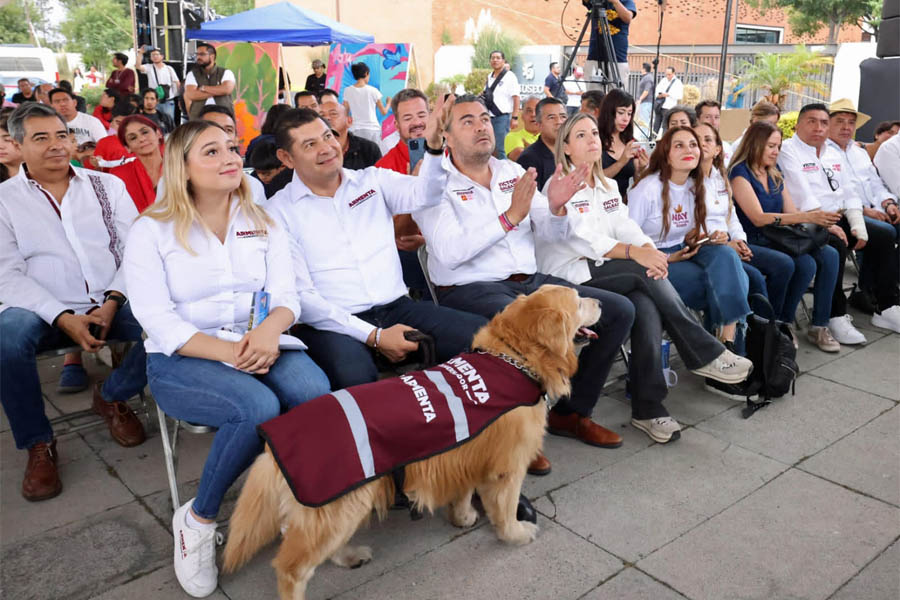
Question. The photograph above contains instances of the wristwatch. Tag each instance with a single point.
(777, 221)
(435, 151)
(119, 299)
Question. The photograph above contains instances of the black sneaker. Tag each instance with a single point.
(862, 301)
(732, 391)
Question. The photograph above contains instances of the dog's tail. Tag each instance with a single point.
(256, 519)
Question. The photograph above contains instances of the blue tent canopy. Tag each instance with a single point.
(284, 23)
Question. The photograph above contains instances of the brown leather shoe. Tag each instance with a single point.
(583, 428)
(124, 426)
(41, 480)
(540, 465)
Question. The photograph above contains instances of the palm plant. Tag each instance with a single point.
(779, 74)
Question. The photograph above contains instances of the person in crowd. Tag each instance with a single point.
(206, 220)
(315, 82)
(503, 88)
(622, 156)
(306, 99)
(348, 272)
(224, 118)
(143, 138)
(553, 84)
(42, 93)
(887, 161)
(710, 112)
(110, 152)
(735, 97)
(619, 14)
(883, 132)
(151, 109)
(62, 231)
(679, 116)
(162, 78)
(207, 83)
(645, 95)
(575, 89)
(136, 100)
(668, 202)
(122, 78)
(670, 90)
(361, 100)
(80, 101)
(103, 110)
(4, 103)
(550, 114)
(267, 131)
(605, 249)
(93, 77)
(359, 152)
(10, 155)
(814, 176)
(761, 199)
(761, 111)
(268, 168)
(481, 255)
(85, 127)
(78, 80)
(880, 268)
(410, 107)
(518, 139)
(25, 93)
(591, 101)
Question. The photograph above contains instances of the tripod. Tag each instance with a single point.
(609, 71)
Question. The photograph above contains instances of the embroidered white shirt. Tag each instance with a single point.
(645, 207)
(465, 240)
(343, 248)
(720, 215)
(56, 257)
(176, 294)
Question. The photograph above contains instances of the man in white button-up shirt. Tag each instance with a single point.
(348, 272)
(814, 176)
(62, 233)
(880, 269)
(480, 240)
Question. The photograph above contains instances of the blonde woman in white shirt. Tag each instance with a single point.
(605, 249)
(195, 259)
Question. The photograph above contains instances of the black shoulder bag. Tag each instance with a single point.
(488, 94)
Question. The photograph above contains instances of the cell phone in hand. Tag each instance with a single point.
(94, 329)
(700, 242)
(416, 151)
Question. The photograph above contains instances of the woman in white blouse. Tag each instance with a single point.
(668, 202)
(607, 250)
(192, 264)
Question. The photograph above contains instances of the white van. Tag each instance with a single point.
(21, 60)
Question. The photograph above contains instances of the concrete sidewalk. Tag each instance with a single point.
(800, 501)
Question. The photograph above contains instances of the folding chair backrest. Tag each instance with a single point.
(422, 253)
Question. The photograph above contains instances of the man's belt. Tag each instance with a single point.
(516, 277)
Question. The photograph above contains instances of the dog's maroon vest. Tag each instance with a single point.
(337, 442)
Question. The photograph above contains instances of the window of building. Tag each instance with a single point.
(757, 34)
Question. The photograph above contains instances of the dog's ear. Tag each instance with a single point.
(552, 330)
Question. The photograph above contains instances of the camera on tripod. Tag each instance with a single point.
(601, 4)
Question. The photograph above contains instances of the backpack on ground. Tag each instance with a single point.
(770, 345)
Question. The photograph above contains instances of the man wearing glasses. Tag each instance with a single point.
(207, 83)
(815, 177)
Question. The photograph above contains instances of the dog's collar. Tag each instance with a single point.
(514, 362)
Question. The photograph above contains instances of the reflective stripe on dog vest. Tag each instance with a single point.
(337, 442)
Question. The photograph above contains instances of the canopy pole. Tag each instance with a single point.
(724, 56)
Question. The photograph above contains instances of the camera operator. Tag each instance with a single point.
(619, 13)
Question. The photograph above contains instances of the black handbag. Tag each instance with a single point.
(796, 240)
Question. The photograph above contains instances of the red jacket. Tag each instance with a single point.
(397, 159)
(138, 183)
(337, 442)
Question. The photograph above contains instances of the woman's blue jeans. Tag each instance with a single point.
(208, 392)
(713, 281)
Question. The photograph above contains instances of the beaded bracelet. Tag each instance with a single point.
(506, 223)
(627, 251)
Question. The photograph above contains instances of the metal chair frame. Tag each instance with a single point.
(170, 449)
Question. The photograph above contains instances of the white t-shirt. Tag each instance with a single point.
(86, 128)
(191, 80)
(164, 76)
(645, 208)
(505, 90)
(362, 105)
(574, 86)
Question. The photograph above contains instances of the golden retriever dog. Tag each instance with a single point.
(539, 330)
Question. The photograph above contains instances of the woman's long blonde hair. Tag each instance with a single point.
(176, 203)
(752, 148)
(559, 153)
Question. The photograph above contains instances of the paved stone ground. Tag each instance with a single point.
(800, 501)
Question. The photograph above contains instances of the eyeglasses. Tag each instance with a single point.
(832, 182)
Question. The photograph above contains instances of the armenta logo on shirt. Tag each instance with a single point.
(508, 185)
(360, 199)
(810, 167)
(465, 194)
(251, 233)
(611, 205)
(680, 217)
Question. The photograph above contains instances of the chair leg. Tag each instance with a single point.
(169, 456)
(806, 310)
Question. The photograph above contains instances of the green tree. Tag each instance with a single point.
(97, 29)
(226, 8)
(779, 74)
(810, 16)
(490, 39)
(14, 20)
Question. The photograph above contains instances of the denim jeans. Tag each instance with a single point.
(595, 360)
(348, 362)
(656, 306)
(168, 107)
(787, 277)
(501, 128)
(713, 281)
(208, 392)
(23, 335)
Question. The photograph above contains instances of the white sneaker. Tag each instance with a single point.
(844, 332)
(888, 319)
(195, 555)
(728, 367)
(662, 429)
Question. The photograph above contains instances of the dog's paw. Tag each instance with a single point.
(352, 557)
(463, 516)
(519, 533)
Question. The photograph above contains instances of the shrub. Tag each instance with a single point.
(91, 97)
(787, 123)
(490, 39)
(475, 81)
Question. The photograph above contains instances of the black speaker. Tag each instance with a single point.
(889, 30)
(875, 76)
